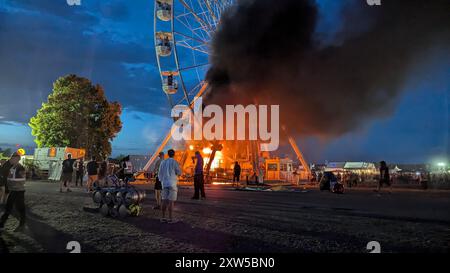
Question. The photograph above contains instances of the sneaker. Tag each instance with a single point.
(163, 220)
(172, 221)
(203, 198)
(69, 190)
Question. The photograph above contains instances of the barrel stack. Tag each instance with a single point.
(119, 202)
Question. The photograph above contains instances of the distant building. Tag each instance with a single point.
(354, 167)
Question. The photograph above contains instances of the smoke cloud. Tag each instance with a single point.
(268, 52)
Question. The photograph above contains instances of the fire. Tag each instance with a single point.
(218, 158)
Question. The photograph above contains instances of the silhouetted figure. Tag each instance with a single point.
(384, 176)
(16, 188)
(158, 185)
(199, 183)
(80, 173)
(237, 172)
(67, 173)
(92, 171)
(4, 173)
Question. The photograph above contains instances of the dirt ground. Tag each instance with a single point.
(238, 222)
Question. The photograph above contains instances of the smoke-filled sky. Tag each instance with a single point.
(354, 82)
(273, 54)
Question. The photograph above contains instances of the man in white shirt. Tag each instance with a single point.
(168, 173)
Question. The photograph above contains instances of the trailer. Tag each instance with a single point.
(49, 160)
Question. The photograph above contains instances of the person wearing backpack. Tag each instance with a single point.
(16, 188)
(67, 173)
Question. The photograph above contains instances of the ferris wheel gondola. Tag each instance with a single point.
(164, 10)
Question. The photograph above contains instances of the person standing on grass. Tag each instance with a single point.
(199, 183)
(237, 172)
(103, 173)
(80, 173)
(384, 177)
(168, 173)
(67, 173)
(92, 170)
(16, 188)
(4, 173)
(158, 185)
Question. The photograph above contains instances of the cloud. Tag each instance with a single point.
(43, 40)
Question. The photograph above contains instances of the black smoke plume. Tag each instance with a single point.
(268, 52)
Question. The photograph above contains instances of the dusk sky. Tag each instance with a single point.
(111, 43)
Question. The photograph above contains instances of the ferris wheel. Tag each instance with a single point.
(183, 30)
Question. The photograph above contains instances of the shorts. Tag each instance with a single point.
(92, 178)
(66, 177)
(169, 193)
(158, 185)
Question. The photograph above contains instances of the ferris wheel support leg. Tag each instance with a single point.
(297, 152)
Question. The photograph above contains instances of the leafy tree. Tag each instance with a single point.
(78, 115)
(6, 153)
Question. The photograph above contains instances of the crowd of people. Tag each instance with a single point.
(91, 172)
(166, 172)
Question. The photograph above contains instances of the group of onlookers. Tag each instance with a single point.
(166, 179)
(91, 172)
